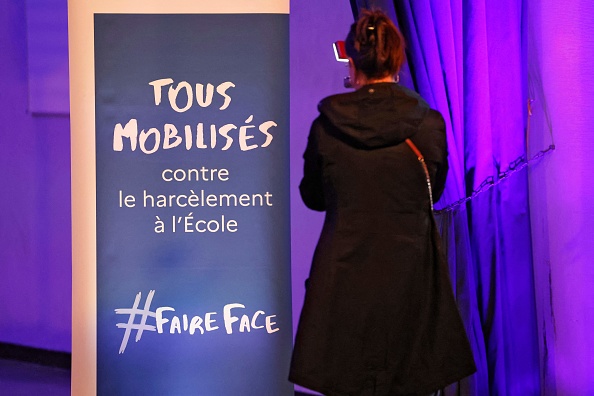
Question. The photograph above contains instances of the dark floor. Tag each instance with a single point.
(29, 379)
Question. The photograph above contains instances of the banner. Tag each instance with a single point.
(191, 231)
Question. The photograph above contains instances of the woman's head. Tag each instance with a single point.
(375, 45)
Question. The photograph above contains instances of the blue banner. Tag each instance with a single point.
(193, 244)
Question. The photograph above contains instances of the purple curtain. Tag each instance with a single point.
(561, 83)
(467, 59)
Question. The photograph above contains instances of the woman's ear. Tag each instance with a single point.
(353, 74)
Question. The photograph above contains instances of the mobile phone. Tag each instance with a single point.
(340, 51)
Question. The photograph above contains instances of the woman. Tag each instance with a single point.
(379, 316)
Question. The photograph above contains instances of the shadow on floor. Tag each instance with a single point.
(19, 378)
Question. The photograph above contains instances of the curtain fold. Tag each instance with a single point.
(456, 243)
(467, 59)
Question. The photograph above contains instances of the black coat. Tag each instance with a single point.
(379, 316)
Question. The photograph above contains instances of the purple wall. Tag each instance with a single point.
(315, 25)
(561, 67)
(34, 204)
(314, 74)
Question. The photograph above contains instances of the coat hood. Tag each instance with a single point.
(376, 115)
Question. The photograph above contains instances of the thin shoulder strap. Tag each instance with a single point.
(422, 161)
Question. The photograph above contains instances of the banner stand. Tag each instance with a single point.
(180, 197)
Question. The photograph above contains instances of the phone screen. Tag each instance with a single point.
(340, 51)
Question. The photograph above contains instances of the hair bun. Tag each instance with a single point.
(375, 44)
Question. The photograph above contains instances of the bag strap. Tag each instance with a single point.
(422, 161)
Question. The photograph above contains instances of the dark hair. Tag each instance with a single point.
(375, 45)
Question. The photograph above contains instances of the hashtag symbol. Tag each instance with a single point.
(130, 325)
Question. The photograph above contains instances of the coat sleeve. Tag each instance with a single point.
(311, 186)
(436, 153)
